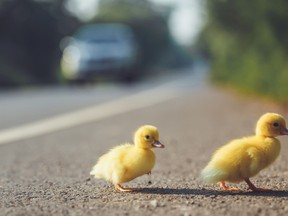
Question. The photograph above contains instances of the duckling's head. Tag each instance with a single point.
(147, 137)
(271, 125)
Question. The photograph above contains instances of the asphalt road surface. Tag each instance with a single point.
(47, 172)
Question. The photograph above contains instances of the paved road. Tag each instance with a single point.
(49, 174)
(29, 105)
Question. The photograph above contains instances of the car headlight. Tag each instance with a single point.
(70, 61)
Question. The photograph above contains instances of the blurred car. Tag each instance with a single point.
(100, 51)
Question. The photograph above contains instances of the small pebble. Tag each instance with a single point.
(154, 203)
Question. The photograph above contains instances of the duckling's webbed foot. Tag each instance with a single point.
(119, 187)
(226, 188)
(253, 187)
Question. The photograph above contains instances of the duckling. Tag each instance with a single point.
(241, 159)
(126, 162)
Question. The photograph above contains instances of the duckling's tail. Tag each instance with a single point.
(96, 171)
(211, 174)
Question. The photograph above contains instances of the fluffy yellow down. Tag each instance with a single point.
(126, 162)
(240, 159)
(243, 158)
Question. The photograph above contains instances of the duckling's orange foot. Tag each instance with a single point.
(119, 187)
(254, 188)
(232, 189)
(226, 188)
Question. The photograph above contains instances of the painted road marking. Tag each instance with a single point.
(95, 113)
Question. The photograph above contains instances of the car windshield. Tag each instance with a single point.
(101, 40)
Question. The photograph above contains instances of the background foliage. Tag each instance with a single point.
(247, 42)
(31, 31)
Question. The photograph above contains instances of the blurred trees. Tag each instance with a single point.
(248, 45)
(30, 33)
(31, 30)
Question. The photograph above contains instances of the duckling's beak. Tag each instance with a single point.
(284, 131)
(158, 144)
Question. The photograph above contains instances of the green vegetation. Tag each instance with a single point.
(29, 53)
(248, 45)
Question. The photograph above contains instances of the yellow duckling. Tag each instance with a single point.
(126, 162)
(243, 158)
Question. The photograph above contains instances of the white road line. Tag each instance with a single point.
(121, 105)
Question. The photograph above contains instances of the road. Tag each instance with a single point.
(48, 173)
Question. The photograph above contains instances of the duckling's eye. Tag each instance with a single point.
(147, 137)
(276, 124)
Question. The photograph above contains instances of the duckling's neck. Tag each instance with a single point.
(147, 153)
(271, 147)
(144, 149)
(262, 136)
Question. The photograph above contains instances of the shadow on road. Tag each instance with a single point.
(185, 191)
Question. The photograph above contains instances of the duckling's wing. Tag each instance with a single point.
(110, 166)
(255, 162)
(119, 173)
(225, 162)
